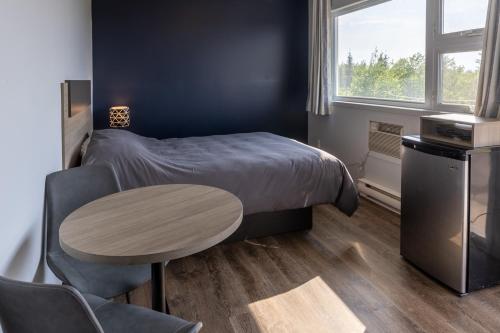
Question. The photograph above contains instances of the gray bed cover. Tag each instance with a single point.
(266, 171)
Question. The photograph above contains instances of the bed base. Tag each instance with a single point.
(270, 224)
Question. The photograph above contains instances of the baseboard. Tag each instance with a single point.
(380, 195)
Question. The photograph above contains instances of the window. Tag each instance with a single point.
(374, 61)
(460, 75)
(391, 52)
(463, 15)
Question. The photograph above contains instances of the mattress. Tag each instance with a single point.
(266, 171)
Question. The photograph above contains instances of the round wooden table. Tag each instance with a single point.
(151, 225)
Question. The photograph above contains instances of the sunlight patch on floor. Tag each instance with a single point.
(312, 307)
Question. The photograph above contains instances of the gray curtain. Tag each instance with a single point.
(319, 57)
(488, 98)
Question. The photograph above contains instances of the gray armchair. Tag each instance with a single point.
(39, 308)
(67, 191)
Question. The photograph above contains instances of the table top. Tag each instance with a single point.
(151, 224)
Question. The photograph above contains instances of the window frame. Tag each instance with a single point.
(437, 43)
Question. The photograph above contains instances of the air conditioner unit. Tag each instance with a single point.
(383, 163)
(385, 139)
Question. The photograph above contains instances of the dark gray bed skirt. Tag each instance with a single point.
(270, 224)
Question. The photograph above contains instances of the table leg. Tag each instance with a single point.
(158, 294)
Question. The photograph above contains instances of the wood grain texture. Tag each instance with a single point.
(151, 224)
(346, 275)
(485, 132)
(75, 130)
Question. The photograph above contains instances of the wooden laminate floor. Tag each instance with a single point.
(346, 275)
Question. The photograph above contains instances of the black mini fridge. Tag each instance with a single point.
(450, 213)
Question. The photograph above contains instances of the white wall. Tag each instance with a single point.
(42, 43)
(345, 135)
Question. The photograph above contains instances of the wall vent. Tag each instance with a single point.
(385, 139)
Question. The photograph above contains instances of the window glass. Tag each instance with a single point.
(381, 52)
(461, 15)
(460, 74)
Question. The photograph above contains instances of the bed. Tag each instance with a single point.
(278, 180)
(269, 173)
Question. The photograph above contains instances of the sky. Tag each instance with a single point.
(397, 28)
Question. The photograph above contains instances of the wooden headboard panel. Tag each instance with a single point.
(75, 129)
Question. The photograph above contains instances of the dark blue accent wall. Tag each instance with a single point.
(202, 67)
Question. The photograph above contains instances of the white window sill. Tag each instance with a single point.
(404, 111)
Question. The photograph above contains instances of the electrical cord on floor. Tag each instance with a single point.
(261, 245)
